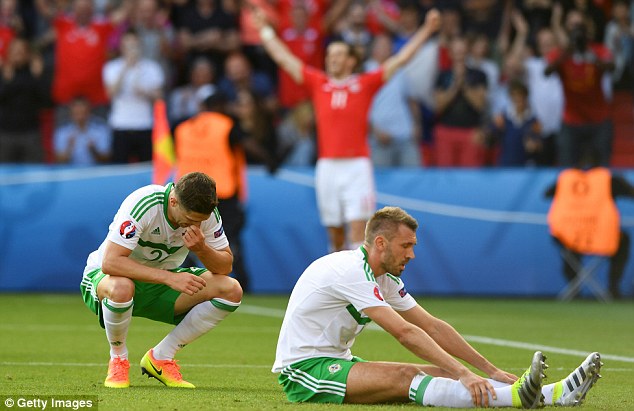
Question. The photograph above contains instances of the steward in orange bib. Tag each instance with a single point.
(210, 143)
(583, 218)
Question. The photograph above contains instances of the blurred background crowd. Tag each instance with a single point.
(520, 78)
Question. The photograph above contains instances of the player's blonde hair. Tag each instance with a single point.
(385, 222)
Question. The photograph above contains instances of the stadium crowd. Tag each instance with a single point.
(78, 78)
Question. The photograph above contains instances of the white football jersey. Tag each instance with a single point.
(141, 225)
(325, 309)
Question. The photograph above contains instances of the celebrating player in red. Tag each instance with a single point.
(344, 178)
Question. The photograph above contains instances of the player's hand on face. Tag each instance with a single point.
(193, 238)
(479, 389)
(187, 283)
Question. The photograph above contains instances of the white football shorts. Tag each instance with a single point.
(345, 190)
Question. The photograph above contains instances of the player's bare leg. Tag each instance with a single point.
(116, 295)
(337, 238)
(205, 310)
(356, 233)
(379, 382)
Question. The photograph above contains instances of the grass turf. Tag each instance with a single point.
(52, 346)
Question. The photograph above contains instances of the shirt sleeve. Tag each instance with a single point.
(396, 294)
(214, 231)
(355, 288)
(124, 229)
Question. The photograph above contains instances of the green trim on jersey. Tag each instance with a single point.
(168, 190)
(357, 315)
(159, 246)
(393, 277)
(145, 204)
(217, 214)
(320, 380)
(369, 274)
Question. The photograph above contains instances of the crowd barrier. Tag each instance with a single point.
(482, 232)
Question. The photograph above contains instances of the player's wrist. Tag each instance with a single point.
(267, 33)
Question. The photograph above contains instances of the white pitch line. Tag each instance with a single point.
(278, 313)
(94, 364)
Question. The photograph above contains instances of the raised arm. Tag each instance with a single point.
(431, 26)
(276, 48)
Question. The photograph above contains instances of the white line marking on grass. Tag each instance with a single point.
(105, 364)
(274, 312)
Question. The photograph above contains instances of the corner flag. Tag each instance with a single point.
(163, 158)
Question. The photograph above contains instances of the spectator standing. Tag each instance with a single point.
(517, 130)
(395, 125)
(461, 107)
(307, 43)
(81, 42)
(619, 38)
(205, 29)
(239, 75)
(155, 31)
(546, 95)
(587, 127)
(23, 89)
(11, 25)
(344, 176)
(133, 84)
(255, 123)
(296, 136)
(85, 140)
(183, 100)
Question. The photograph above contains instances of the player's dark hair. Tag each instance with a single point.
(197, 192)
(386, 221)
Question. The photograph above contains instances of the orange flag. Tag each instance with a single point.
(163, 157)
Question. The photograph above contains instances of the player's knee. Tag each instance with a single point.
(120, 289)
(233, 290)
(407, 372)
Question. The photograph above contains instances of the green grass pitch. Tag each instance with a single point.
(51, 345)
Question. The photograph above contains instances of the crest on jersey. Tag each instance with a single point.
(219, 232)
(377, 293)
(127, 229)
(333, 368)
(402, 292)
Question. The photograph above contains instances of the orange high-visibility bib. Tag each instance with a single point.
(583, 214)
(202, 144)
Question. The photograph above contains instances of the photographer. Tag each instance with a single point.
(580, 63)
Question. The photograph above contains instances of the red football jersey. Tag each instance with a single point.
(585, 101)
(341, 111)
(79, 58)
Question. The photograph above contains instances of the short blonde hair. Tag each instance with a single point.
(386, 221)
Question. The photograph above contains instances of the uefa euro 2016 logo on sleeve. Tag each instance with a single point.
(127, 229)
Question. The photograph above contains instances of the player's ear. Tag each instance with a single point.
(380, 242)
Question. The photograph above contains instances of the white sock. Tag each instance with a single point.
(445, 392)
(548, 391)
(201, 319)
(116, 319)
